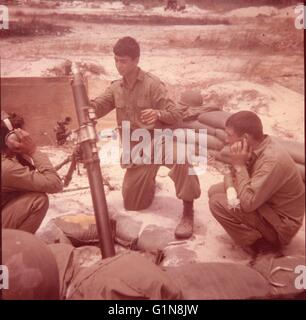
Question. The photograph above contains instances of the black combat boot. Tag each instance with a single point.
(184, 229)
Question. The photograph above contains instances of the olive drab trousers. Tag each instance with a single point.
(139, 182)
(244, 228)
(25, 212)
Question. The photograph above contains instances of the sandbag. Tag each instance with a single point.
(224, 154)
(127, 275)
(33, 272)
(195, 124)
(215, 281)
(191, 114)
(191, 103)
(127, 230)
(51, 233)
(154, 238)
(215, 119)
(295, 149)
(214, 143)
(179, 253)
(221, 134)
(279, 272)
(80, 229)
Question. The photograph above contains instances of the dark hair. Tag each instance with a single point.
(16, 121)
(246, 122)
(127, 46)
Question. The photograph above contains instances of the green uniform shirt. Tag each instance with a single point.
(273, 186)
(16, 178)
(148, 93)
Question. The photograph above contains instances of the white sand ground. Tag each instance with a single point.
(268, 83)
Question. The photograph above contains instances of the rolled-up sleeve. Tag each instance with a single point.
(103, 103)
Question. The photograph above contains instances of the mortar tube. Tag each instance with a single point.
(92, 163)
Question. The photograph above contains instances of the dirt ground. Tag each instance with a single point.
(250, 58)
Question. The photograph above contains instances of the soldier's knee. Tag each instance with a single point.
(137, 198)
(216, 204)
(213, 203)
(127, 191)
(215, 189)
(41, 201)
(133, 200)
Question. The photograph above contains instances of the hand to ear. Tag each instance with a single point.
(24, 144)
(240, 153)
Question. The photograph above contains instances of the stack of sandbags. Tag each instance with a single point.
(191, 103)
(216, 122)
(80, 230)
(214, 140)
(215, 119)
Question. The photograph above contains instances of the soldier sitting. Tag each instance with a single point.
(26, 176)
(268, 184)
